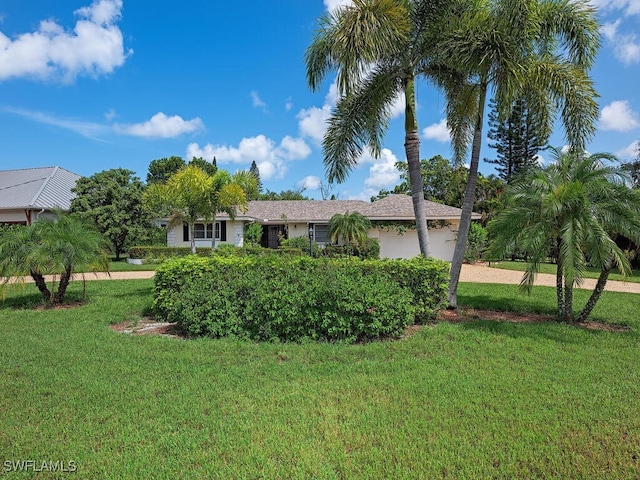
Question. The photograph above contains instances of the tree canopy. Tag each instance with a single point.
(112, 201)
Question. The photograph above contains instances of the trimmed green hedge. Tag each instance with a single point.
(289, 298)
(162, 253)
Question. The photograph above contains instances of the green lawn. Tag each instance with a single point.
(473, 400)
(551, 269)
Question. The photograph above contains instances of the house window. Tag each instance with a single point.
(204, 231)
(320, 233)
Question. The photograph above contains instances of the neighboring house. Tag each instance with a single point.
(392, 217)
(30, 193)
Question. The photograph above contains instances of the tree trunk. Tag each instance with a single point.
(568, 300)
(40, 282)
(412, 151)
(65, 277)
(192, 234)
(559, 289)
(595, 295)
(213, 232)
(467, 203)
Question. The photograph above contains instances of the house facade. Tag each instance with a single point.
(32, 193)
(392, 218)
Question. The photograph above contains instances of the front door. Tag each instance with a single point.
(273, 240)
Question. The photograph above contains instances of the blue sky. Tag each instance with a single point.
(119, 83)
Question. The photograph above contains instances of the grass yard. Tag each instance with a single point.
(471, 400)
(551, 269)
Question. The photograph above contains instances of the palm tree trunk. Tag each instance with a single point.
(559, 290)
(467, 203)
(65, 278)
(595, 295)
(568, 300)
(412, 151)
(40, 282)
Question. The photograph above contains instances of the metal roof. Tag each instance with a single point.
(30, 188)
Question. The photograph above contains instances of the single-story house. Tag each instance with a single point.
(392, 218)
(29, 193)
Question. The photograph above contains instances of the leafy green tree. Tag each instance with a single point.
(574, 207)
(161, 169)
(378, 48)
(112, 201)
(351, 227)
(517, 139)
(208, 167)
(633, 168)
(58, 247)
(283, 195)
(184, 198)
(539, 47)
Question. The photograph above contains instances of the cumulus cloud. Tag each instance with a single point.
(94, 47)
(331, 5)
(618, 116)
(312, 122)
(272, 159)
(630, 152)
(161, 126)
(310, 182)
(628, 7)
(626, 47)
(438, 132)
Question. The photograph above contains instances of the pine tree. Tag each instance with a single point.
(517, 139)
(256, 171)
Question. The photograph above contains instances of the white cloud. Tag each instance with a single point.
(628, 7)
(94, 47)
(312, 122)
(630, 152)
(331, 5)
(288, 104)
(618, 116)
(110, 115)
(383, 173)
(161, 126)
(626, 47)
(86, 129)
(256, 101)
(272, 159)
(310, 182)
(438, 132)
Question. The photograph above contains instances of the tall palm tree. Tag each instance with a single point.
(541, 49)
(184, 197)
(352, 227)
(576, 207)
(378, 48)
(229, 193)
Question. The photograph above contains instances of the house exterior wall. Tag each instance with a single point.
(12, 216)
(235, 236)
(392, 245)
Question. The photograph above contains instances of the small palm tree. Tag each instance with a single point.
(351, 227)
(59, 247)
(576, 207)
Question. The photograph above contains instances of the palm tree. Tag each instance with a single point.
(58, 247)
(184, 198)
(229, 193)
(352, 227)
(576, 207)
(378, 48)
(539, 49)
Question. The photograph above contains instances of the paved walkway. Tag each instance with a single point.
(470, 273)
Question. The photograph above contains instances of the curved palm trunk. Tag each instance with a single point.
(595, 295)
(65, 278)
(40, 282)
(412, 151)
(467, 203)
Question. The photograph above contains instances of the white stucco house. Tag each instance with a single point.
(31, 193)
(294, 218)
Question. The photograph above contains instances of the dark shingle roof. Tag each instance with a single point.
(45, 187)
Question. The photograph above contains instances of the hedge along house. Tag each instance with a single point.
(31, 193)
(392, 219)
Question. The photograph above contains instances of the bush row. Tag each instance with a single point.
(162, 253)
(288, 298)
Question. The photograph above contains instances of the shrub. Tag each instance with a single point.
(252, 234)
(301, 243)
(289, 298)
(476, 243)
(152, 253)
(369, 250)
